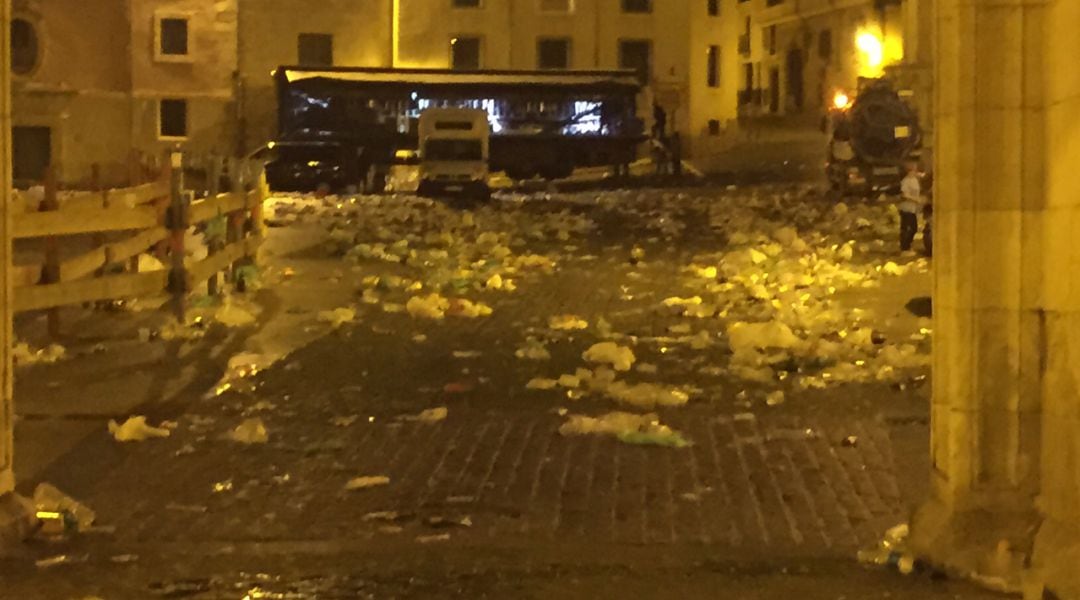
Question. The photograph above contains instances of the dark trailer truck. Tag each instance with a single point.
(543, 123)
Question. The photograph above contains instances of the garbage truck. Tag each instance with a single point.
(454, 152)
(872, 136)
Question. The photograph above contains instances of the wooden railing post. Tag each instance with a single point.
(50, 272)
(213, 242)
(176, 222)
(235, 224)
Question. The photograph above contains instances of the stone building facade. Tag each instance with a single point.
(91, 96)
(147, 75)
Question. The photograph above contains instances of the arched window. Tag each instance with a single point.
(24, 47)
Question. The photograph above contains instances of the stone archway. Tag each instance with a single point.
(1006, 408)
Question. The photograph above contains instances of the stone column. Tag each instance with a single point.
(7, 421)
(1057, 550)
(1006, 406)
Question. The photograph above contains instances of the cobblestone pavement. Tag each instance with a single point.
(493, 501)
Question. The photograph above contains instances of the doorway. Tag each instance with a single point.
(795, 84)
(31, 149)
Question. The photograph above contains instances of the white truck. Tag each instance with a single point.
(454, 152)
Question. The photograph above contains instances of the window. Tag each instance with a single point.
(173, 119)
(824, 44)
(637, 6)
(553, 53)
(714, 127)
(24, 47)
(714, 8)
(636, 55)
(315, 49)
(172, 38)
(714, 66)
(557, 6)
(465, 3)
(465, 53)
(770, 39)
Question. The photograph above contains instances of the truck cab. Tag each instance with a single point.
(454, 151)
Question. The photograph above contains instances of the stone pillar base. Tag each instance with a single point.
(991, 547)
(1055, 562)
(18, 519)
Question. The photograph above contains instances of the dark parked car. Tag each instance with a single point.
(309, 165)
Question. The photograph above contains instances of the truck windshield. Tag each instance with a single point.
(453, 150)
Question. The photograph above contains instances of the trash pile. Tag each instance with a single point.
(774, 291)
(626, 427)
(433, 256)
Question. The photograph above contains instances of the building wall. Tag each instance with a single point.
(205, 80)
(98, 83)
(268, 38)
(79, 86)
(711, 103)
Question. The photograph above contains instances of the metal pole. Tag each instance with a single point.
(7, 415)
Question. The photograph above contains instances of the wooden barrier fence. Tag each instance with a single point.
(154, 217)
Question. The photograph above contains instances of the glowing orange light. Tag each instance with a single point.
(841, 100)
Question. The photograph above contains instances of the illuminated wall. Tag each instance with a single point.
(268, 38)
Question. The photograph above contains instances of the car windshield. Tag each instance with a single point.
(453, 150)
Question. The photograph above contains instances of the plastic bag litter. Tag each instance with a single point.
(891, 268)
(431, 415)
(460, 307)
(135, 429)
(892, 550)
(745, 337)
(682, 302)
(540, 383)
(626, 427)
(250, 431)
(533, 350)
(149, 263)
(47, 498)
(775, 398)
(569, 381)
(338, 316)
(230, 314)
(619, 357)
(646, 395)
(432, 306)
(365, 482)
(24, 355)
(567, 323)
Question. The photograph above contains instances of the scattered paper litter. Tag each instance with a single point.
(626, 427)
(619, 357)
(365, 482)
(533, 350)
(432, 306)
(136, 429)
(230, 314)
(250, 431)
(338, 316)
(567, 323)
(540, 383)
(431, 415)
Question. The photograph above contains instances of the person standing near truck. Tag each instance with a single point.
(909, 205)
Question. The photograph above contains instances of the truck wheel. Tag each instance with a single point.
(480, 193)
(519, 173)
(375, 180)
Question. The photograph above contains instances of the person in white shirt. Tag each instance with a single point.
(910, 202)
